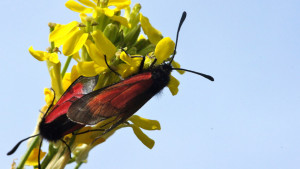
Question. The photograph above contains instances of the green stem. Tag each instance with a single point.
(51, 152)
(26, 155)
(78, 165)
(84, 54)
(63, 72)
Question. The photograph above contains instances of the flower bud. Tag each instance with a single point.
(111, 32)
(131, 37)
(146, 50)
(134, 17)
(141, 44)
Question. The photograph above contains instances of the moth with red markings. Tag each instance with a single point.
(55, 124)
(123, 99)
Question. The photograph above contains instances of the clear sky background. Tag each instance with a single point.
(248, 118)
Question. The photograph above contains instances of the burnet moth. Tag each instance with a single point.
(55, 124)
(123, 99)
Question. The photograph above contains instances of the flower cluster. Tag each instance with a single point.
(102, 32)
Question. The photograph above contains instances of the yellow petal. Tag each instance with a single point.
(88, 69)
(141, 36)
(134, 62)
(76, 7)
(74, 73)
(177, 65)
(49, 96)
(61, 31)
(120, 4)
(123, 21)
(88, 3)
(54, 71)
(104, 44)
(83, 17)
(74, 43)
(173, 85)
(108, 12)
(66, 82)
(53, 57)
(95, 54)
(39, 55)
(144, 123)
(13, 165)
(121, 69)
(88, 137)
(32, 160)
(62, 40)
(76, 57)
(148, 61)
(129, 71)
(164, 49)
(153, 34)
(143, 137)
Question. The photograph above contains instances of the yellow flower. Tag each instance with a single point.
(49, 95)
(89, 69)
(91, 6)
(103, 9)
(75, 42)
(33, 157)
(70, 36)
(69, 78)
(85, 142)
(177, 65)
(130, 66)
(104, 45)
(147, 124)
(153, 34)
(53, 64)
(144, 123)
(43, 56)
(58, 35)
(173, 85)
(13, 165)
(164, 49)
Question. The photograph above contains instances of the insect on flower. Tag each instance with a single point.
(80, 105)
(123, 99)
(55, 124)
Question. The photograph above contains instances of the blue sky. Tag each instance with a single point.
(248, 118)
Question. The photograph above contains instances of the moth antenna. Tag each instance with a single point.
(152, 64)
(125, 52)
(201, 74)
(18, 144)
(177, 35)
(142, 64)
(111, 68)
(39, 155)
(69, 149)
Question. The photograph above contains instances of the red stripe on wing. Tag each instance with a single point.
(58, 110)
(77, 89)
(121, 101)
(111, 101)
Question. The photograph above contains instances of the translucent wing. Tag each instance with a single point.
(120, 100)
(80, 87)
